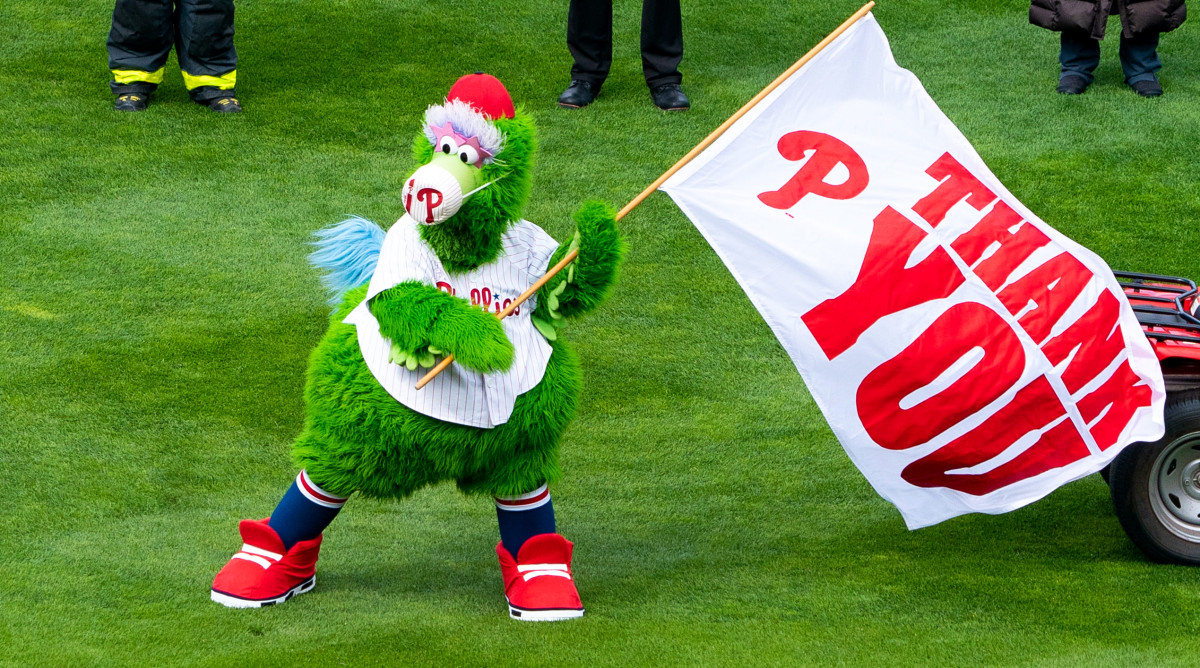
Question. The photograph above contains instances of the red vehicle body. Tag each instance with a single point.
(1169, 311)
(1156, 486)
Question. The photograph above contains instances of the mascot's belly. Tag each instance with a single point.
(358, 438)
(459, 394)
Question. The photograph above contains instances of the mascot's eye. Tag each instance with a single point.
(468, 155)
(447, 145)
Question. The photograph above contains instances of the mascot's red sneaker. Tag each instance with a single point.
(263, 573)
(538, 585)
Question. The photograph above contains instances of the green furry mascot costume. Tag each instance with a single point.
(433, 286)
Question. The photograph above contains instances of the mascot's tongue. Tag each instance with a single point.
(432, 195)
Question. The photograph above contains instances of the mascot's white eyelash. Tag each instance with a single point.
(466, 121)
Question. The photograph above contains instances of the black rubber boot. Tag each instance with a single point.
(225, 105)
(131, 102)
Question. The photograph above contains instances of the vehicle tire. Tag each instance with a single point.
(1156, 486)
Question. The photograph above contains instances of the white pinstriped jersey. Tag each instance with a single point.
(458, 394)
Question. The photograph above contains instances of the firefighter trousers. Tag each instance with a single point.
(143, 32)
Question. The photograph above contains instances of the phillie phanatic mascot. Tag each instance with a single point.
(432, 286)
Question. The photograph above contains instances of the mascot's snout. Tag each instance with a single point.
(432, 194)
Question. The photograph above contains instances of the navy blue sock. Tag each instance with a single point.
(522, 517)
(304, 511)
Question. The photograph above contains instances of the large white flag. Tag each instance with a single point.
(969, 357)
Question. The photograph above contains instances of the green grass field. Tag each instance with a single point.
(157, 310)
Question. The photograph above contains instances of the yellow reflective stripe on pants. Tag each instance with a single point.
(138, 76)
(224, 82)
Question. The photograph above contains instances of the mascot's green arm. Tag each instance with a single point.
(415, 316)
(582, 287)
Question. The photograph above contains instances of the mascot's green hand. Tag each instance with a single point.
(425, 357)
(544, 327)
(571, 249)
(425, 322)
(549, 327)
(589, 278)
(475, 337)
(552, 298)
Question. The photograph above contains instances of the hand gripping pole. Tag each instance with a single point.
(570, 257)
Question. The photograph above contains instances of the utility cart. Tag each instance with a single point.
(1156, 486)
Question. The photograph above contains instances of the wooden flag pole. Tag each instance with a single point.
(441, 366)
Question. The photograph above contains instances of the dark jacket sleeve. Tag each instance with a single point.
(1044, 14)
(1152, 16)
(1090, 16)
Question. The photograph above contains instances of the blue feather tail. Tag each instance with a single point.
(347, 254)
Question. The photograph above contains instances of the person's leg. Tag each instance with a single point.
(535, 562)
(204, 46)
(662, 49)
(589, 39)
(278, 558)
(1139, 60)
(1079, 55)
(523, 517)
(662, 42)
(304, 511)
(138, 44)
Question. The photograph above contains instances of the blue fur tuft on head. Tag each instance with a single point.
(347, 253)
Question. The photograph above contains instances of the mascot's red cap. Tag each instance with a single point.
(485, 93)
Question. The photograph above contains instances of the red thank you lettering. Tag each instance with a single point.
(957, 183)
(1034, 407)
(1095, 339)
(1110, 408)
(950, 338)
(884, 285)
(1052, 287)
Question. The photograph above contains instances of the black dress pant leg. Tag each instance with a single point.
(662, 42)
(1079, 54)
(589, 39)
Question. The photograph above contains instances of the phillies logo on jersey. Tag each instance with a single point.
(486, 298)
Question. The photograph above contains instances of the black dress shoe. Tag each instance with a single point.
(578, 95)
(1072, 84)
(669, 97)
(225, 105)
(131, 102)
(1147, 88)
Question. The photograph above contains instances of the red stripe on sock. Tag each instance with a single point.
(311, 489)
(524, 502)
